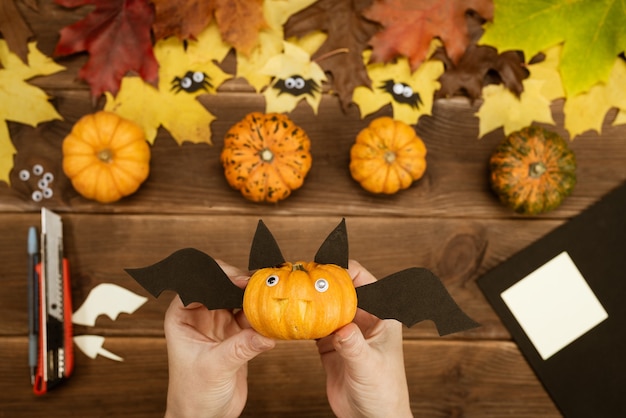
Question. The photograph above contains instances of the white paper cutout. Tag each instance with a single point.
(107, 299)
(92, 346)
(554, 305)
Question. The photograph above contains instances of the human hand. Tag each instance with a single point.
(364, 363)
(208, 353)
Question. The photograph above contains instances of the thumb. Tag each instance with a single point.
(242, 347)
(351, 345)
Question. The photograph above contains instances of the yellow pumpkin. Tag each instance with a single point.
(302, 300)
(106, 157)
(387, 156)
(266, 156)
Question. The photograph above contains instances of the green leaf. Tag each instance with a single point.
(593, 33)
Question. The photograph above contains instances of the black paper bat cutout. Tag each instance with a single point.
(409, 296)
(296, 86)
(402, 93)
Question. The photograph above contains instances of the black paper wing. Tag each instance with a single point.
(195, 276)
(411, 296)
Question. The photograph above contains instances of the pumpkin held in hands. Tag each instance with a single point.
(106, 157)
(266, 157)
(303, 300)
(533, 170)
(387, 156)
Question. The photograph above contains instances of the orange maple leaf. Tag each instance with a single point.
(410, 25)
(239, 21)
(184, 20)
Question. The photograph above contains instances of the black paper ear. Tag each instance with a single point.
(264, 251)
(334, 249)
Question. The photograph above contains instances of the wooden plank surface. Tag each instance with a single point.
(449, 221)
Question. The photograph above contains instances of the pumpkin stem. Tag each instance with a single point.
(266, 155)
(390, 157)
(536, 169)
(297, 266)
(105, 155)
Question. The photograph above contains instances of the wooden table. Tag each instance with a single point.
(449, 222)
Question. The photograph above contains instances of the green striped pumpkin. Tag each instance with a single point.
(532, 170)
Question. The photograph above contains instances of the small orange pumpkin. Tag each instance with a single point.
(303, 300)
(387, 156)
(266, 157)
(106, 157)
(532, 170)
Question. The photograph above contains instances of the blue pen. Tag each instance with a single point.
(33, 301)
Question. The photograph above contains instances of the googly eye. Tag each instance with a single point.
(38, 169)
(198, 77)
(37, 196)
(321, 285)
(48, 177)
(42, 184)
(407, 91)
(299, 83)
(398, 88)
(24, 175)
(186, 82)
(47, 193)
(272, 280)
(290, 83)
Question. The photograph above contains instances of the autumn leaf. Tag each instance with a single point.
(348, 32)
(239, 20)
(14, 29)
(20, 101)
(593, 33)
(410, 93)
(410, 26)
(295, 76)
(117, 36)
(587, 111)
(502, 108)
(270, 41)
(547, 70)
(186, 70)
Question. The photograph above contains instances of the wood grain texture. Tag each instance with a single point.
(445, 379)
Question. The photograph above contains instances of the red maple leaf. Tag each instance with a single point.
(117, 36)
(410, 25)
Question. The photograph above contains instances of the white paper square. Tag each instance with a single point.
(554, 305)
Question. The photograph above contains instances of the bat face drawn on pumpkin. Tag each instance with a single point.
(304, 300)
(402, 93)
(296, 86)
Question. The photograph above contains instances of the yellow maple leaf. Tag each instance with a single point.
(501, 108)
(587, 111)
(186, 70)
(410, 93)
(548, 71)
(295, 76)
(20, 101)
(270, 41)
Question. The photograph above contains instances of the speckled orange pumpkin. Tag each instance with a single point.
(266, 157)
(106, 157)
(387, 156)
(533, 170)
(302, 300)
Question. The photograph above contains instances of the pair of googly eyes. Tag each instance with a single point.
(188, 81)
(294, 83)
(44, 192)
(401, 89)
(321, 285)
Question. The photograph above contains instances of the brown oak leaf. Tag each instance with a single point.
(480, 66)
(185, 20)
(348, 33)
(117, 35)
(410, 25)
(14, 28)
(239, 21)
